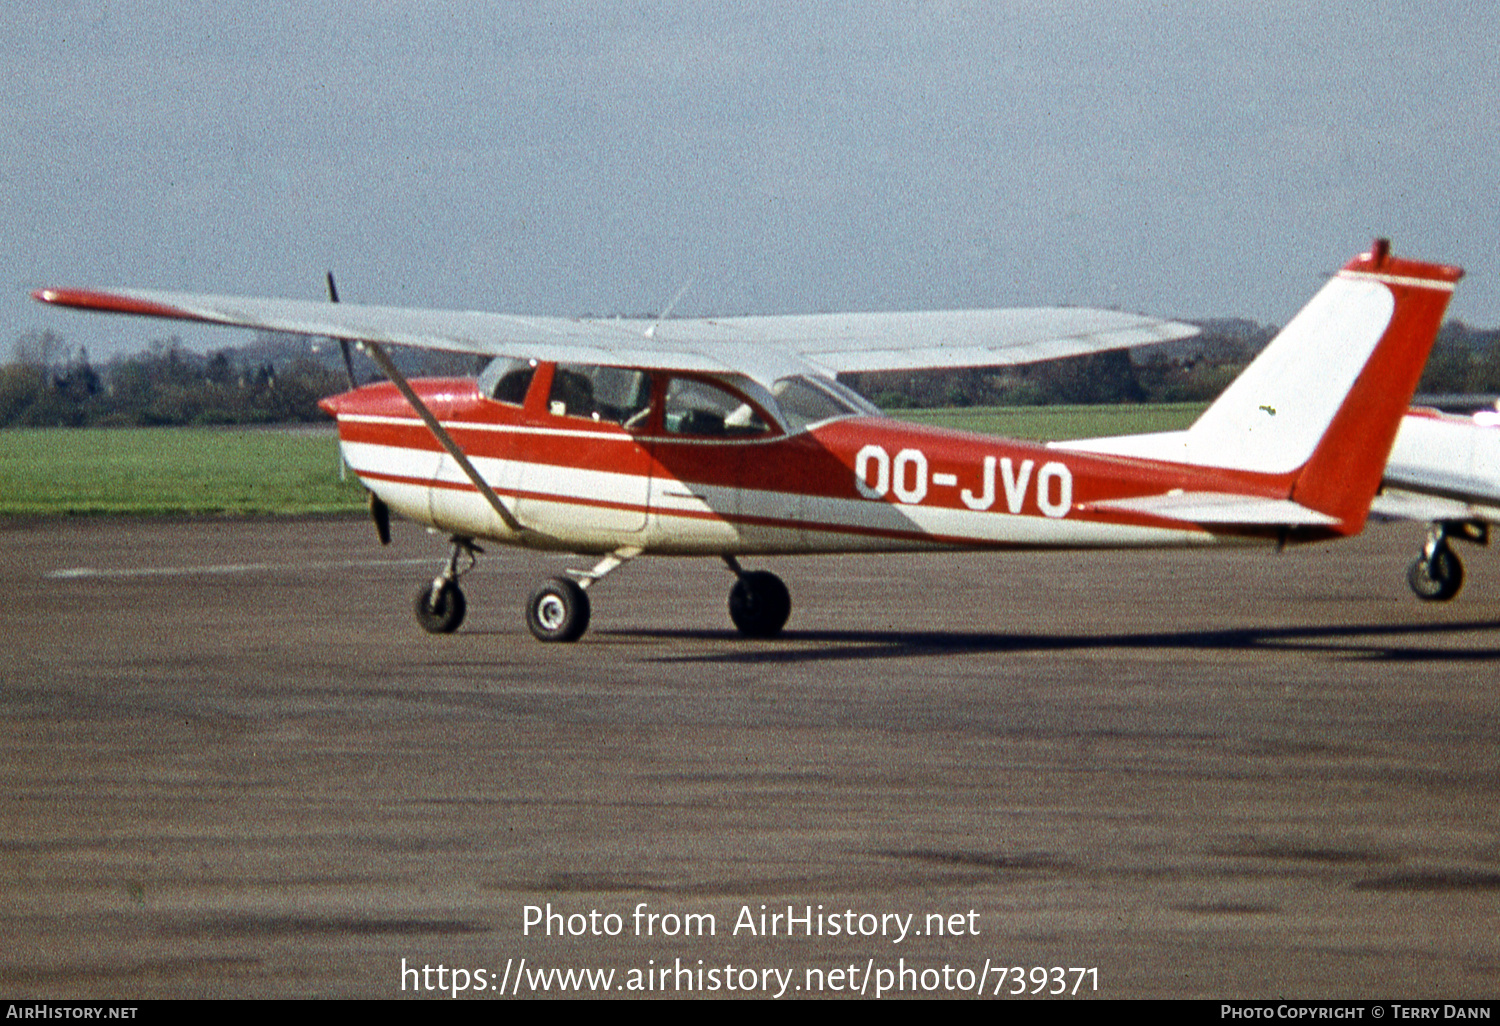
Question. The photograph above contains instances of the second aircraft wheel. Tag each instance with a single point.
(558, 611)
(440, 606)
(759, 604)
(1437, 579)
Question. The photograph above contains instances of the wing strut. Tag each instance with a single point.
(382, 360)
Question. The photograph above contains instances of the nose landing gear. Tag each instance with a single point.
(440, 603)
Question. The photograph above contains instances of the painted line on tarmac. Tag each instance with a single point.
(80, 573)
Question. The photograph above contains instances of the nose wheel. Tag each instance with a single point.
(440, 604)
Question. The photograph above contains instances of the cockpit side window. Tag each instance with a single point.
(506, 380)
(618, 395)
(705, 410)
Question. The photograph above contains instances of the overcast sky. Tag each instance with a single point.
(1179, 159)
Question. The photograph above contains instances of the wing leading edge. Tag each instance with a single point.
(761, 347)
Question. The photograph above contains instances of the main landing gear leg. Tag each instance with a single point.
(559, 609)
(1437, 574)
(440, 603)
(759, 603)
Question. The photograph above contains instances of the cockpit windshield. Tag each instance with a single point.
(804, 400)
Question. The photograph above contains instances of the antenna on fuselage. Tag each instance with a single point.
(651, 331)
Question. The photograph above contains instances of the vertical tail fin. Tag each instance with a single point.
(1316, 413)
(1343, 473)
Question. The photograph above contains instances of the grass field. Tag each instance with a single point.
(172, 470)
(243, 471)
(1056, 423)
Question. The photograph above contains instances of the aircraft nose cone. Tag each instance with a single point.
(332, 404)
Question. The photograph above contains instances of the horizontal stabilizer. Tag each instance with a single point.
(1224, 509)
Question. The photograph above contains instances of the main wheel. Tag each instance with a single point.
(558, 611)
(1437, 579)
(759, 604)
(441, 606)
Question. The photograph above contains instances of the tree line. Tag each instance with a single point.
(1464, 361)
(276, 379)
(279, 379)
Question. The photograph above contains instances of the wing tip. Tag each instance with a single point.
(109, 302)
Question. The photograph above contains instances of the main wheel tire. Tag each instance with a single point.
(759, 604)
(1437, 579)
(441, 606)
(558, 611)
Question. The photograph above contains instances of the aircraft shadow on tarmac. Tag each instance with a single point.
(1378, 642)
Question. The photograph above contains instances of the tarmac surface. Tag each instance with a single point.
(235, 767)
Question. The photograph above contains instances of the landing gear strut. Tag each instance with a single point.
(559, 609)
(759, 603)
(440, 603)
(1437, 574)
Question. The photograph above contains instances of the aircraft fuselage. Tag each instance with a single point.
(584, 483)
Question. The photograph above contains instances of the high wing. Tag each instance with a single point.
(763, 348)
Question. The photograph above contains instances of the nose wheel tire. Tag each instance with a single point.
(558, 611)
(440, 606)
(1436, 578)
(759, 604)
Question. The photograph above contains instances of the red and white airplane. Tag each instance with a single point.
(730, 437)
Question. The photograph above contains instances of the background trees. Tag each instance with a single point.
(280, 378)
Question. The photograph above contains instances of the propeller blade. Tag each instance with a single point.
(381, 514)
(333, 297)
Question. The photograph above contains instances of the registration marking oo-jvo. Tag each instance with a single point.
(906, 477)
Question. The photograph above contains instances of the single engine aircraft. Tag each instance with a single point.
(732, 438)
